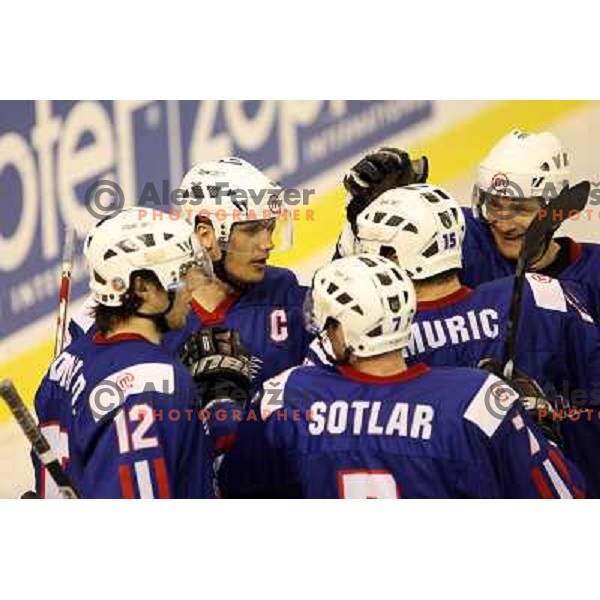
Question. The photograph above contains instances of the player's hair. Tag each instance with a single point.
(108, 317)
(331, 322)
(200, 219)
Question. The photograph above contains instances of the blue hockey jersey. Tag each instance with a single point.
(268, 317)
(558, 345)
(270, 321)
(321, 432)
(482, 262)
(81, 321)
(123, 419)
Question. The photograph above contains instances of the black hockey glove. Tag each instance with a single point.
(219, 363)
(378, 172)
(533, 399)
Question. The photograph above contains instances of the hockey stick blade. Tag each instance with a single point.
(36, 438)
(571, 200)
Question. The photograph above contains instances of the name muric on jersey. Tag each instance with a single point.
(429, 335)
(363, 417)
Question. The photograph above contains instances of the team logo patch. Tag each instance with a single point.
(125, 381)
(499, 398)
(540, 278)
(500, 182)
(446, 220)
(118, 285)
(394, 304)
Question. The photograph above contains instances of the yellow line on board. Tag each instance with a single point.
(462, 146)
(451, 153)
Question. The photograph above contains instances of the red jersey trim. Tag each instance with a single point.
(162, 479)
(216, 316)
(453, 298)
(119, 337)
(558, 462)
(224, 443)
(575, 250)
(411, 373)
(126, 481)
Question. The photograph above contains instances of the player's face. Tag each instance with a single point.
(156, 300)
(509, 219)
(250, 245)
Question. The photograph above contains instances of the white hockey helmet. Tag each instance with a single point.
(372, 299)
(423, 224)
(139, 239)
(523, 165)
(230, 191)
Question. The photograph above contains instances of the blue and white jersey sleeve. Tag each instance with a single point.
(517, 460)
(82, 320)
(135, 434)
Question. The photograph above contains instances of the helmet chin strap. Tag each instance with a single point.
(160, 319)
(345, 360)
(225, 277)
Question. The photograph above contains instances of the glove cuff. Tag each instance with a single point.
(217, 388)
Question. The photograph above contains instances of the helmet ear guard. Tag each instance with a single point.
(327, 345)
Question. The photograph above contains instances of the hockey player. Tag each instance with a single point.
(520, 174)
(422, 228)
(371, 427)
(237, 210)
(118, 409)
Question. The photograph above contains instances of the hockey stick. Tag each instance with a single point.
(65, 288)
(547, 220)
(36, 437)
